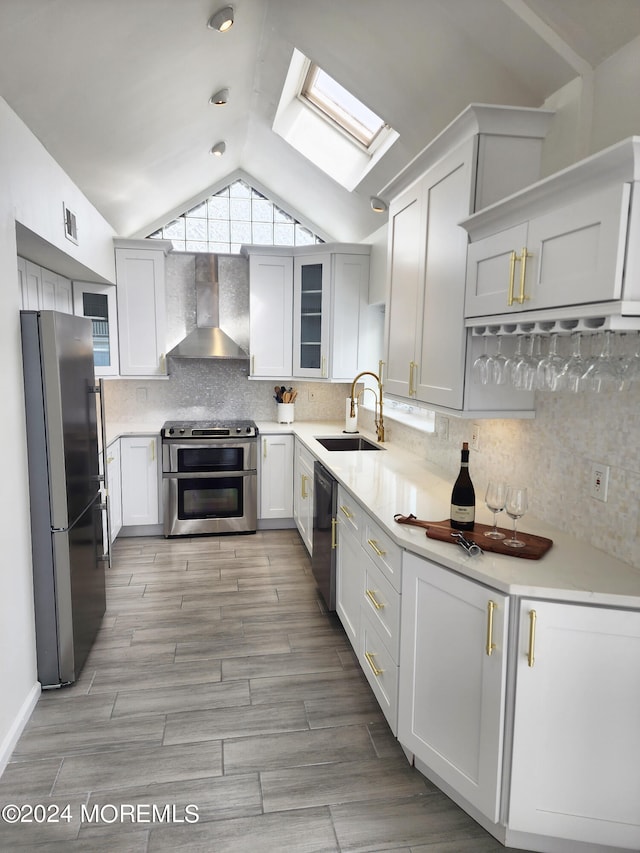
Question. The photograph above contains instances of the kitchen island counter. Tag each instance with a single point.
(395, 480)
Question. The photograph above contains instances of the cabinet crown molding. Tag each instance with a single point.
(620, 163)
(476, 118)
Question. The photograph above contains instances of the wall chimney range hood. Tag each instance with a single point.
(207, 340)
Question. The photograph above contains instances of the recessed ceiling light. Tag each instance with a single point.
(219, 148)
(378, 205)
(222, 20)
(220, 98)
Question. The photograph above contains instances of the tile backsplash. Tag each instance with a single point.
(552, 455)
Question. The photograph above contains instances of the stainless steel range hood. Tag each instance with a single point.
(207, 340)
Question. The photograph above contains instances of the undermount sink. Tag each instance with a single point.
(348, 442)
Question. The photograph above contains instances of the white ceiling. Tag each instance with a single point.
(118, 90)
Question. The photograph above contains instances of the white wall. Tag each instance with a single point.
(32, 191)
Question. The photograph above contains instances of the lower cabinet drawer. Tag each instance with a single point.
(382, 604)
(380, 670)
(382, 549)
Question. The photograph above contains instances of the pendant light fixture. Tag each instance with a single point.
(378, 205)
(222, 20)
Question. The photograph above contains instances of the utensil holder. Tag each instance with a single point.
(285, 413)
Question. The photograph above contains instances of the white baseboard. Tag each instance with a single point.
(13, 735)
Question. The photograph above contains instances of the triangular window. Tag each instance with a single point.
(237, 215)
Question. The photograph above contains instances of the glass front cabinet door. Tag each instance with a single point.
(98, 302)
(311, 305)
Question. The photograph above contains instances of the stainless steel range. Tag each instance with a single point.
(209, 477)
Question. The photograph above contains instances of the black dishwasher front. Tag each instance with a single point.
(323, 561)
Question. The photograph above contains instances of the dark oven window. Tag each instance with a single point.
(218, 458)
(220, 497)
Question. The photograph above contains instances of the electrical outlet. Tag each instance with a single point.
(312, 395)
(475, 437)
(599, 485)
(442, 427)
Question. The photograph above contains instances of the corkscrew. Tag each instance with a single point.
(470, 547)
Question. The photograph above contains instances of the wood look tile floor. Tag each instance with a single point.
(218, 680)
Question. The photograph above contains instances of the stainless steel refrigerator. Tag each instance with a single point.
(64, 488)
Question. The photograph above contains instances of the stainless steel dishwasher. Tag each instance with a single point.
(323, 561)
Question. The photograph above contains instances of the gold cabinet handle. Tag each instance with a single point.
(334, 543)
(491, 606)
(253, 364)
(380, 367)
(375, 547)
(377, 672)
(109, 460)
(346, 511)
(372, 598)
(264, 448)
(513, 258)
(153, 450)
(412, 389)
(523, 272)
(532, 638)
(304, 486)
(323, 371)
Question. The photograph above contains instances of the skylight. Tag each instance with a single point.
(328, 125)
(349, 113)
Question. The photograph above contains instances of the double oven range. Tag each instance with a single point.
(209, 477)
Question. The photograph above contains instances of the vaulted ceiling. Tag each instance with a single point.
(118, 90)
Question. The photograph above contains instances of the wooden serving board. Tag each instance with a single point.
(535, 547)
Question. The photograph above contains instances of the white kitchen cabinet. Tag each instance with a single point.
(98, 302)
(139, 462)
(575, 768)
(367, 602)
(571, 255)
(484, 154)
(349, 576)
(48, 282)
(303, 492)
(114, 488)
(276, 476)
(28, 282)
(140, 279)
(453, 665)
(565, 248)
(44, 289)
(271, 315)
(55, 292)
(330, 293)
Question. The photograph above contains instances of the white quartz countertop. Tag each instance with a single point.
(397, 481)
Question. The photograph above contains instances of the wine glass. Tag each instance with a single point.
(515, 506)
(496, 365)
(549, 367)
(495, 498)
(479, 368)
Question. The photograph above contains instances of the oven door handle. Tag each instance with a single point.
(208, 475)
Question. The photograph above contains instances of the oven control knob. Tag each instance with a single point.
(248, 430)
(182, 430)
(171, 430)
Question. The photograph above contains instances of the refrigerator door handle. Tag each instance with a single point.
(99, 390)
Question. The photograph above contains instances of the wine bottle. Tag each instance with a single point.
(463, 496)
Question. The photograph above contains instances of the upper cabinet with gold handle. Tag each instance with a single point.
(570, 236)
